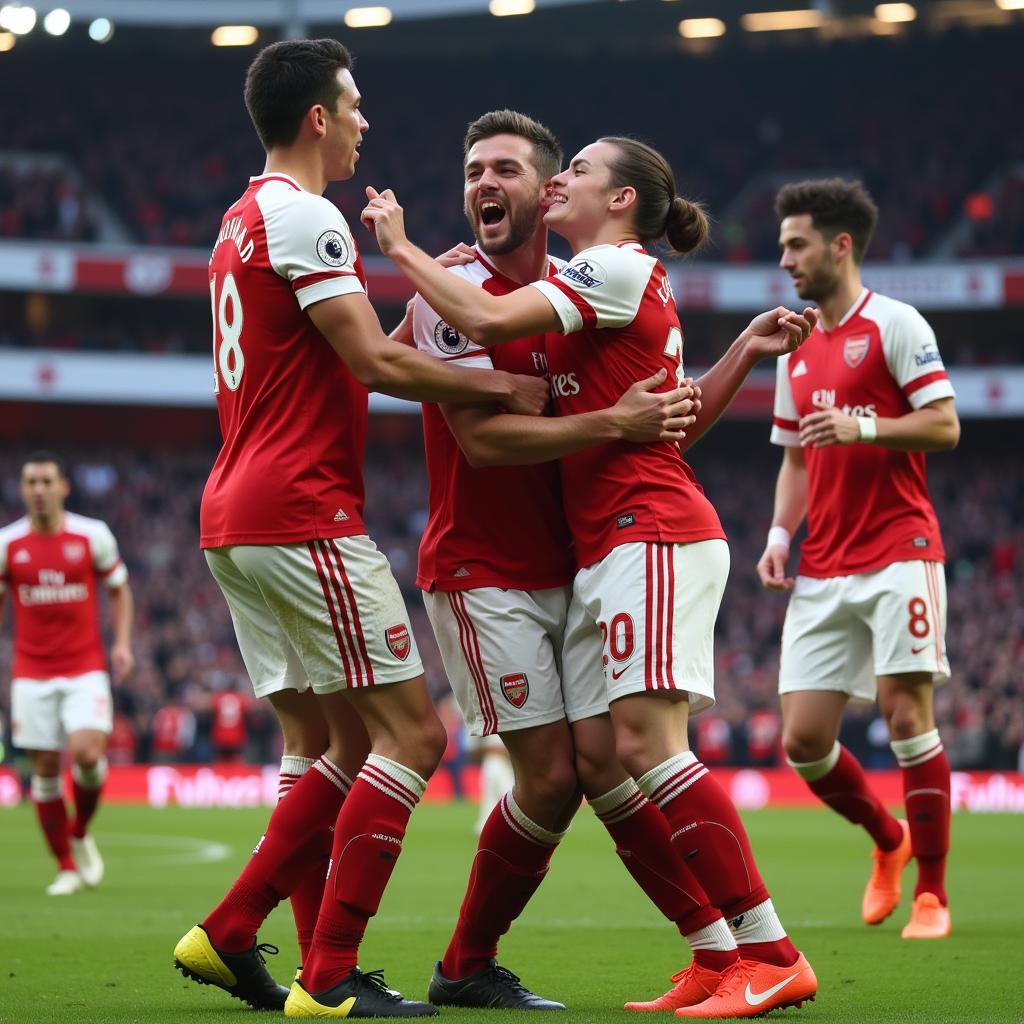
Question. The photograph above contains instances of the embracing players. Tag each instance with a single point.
(53, 562)
(856, 408)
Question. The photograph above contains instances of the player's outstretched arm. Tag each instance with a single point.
(490, 438)
(351, 326)
(457, 256)
(790, 509)
(768, 336)
(932, 428)
(487, 319)
(122, 613)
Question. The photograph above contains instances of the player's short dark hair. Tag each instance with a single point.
(834, 205)
(286, 79)
(41, 455)
(547, 153)
(660, 213)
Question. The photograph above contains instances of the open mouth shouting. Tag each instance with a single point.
(491, 212)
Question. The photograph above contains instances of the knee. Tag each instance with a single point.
(423, 749)
(906, 720)
(632, 752)
(803, 745)
(552, 784)
(46, 764)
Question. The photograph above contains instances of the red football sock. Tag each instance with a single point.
(511, 861)
(88, 785)
(709, 836)
(839, 781)
(53, 817)
(367, 841)
(294, 832)
(926, 794)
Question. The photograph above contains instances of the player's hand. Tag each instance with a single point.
(529, 395)
(458, 256)
(642, 416)
(122, 662)
(828, 426)
(697, 394)
(771, 569)
(779, 331)
(385, 218)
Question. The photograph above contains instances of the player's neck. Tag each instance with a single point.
(305, 172)
(834, 307)
(527, 263)
(47, 524)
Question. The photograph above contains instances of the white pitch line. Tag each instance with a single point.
(190, 850)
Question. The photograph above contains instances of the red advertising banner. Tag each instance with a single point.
(751, 788)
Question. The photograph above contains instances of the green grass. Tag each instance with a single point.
(589, 938)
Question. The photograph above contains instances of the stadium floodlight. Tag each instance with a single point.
(1010, 5)
(701, 28)
(7, 41)
(234, 35)
(57, 21)
(367, 17)
(506, 8)
(101, 30)
(781, 21)
(18, 18)
(893, 13)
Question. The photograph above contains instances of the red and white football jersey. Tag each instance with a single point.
(52, 579)
(495, 526)
(292, 416)
(620, 322)
(867, 506)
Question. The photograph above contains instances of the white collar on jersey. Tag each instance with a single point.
(857, 303)
(275, 174)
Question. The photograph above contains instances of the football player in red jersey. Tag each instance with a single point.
(319, 618)
(53, 562)
(856, 409)
(638, 518)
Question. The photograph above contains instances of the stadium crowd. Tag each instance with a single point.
(190, 700)
(924, 140)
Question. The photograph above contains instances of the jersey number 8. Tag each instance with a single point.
(227, 355)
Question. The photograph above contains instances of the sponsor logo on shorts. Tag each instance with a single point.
(616, 673)
(399, 642)
(515, 688)
(332, 248)
(920, 542)
(626, 519)
(448, 340)
(855, 350)
(918, 650)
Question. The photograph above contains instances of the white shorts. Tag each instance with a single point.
(656, 606)
(503, 652)
(842, 633)
(326, 614)
(45, 711)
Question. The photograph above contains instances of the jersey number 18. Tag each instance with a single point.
(227, 351)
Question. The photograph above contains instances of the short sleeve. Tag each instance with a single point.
(309, 243)
(785, 418)
(437, 338)
(912, 355)
(600, 287)
(106, 559)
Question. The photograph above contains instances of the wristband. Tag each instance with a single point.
(868, 427)
(780, 536)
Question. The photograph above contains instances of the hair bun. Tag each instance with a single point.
(687, 226)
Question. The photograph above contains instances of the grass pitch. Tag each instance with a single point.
(589, 938)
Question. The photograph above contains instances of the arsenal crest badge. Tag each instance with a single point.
(399, 642)
(74, 551)
(855, 349)
(515, 688)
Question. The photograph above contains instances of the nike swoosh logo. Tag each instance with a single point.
(615, 675)
(918, 650)
(757, 998)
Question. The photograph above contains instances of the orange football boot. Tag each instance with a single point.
(882, 895)
(693, 985)
(929, 919)
(750, 988)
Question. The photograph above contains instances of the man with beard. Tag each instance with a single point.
(496, 567)
(856, 408)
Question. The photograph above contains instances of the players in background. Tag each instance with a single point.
(856, 409)
(652, 555)
(52, 562)
(319, 619)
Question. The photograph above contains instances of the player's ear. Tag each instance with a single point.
(843, 245)
(623, 198)
(317, 118)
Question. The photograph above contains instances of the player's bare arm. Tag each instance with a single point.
(768, 336)
(487, 319)
(122, 612)
(489, 438)
(932, 428)
(457, 256)
(351, 326)
(790, 509)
